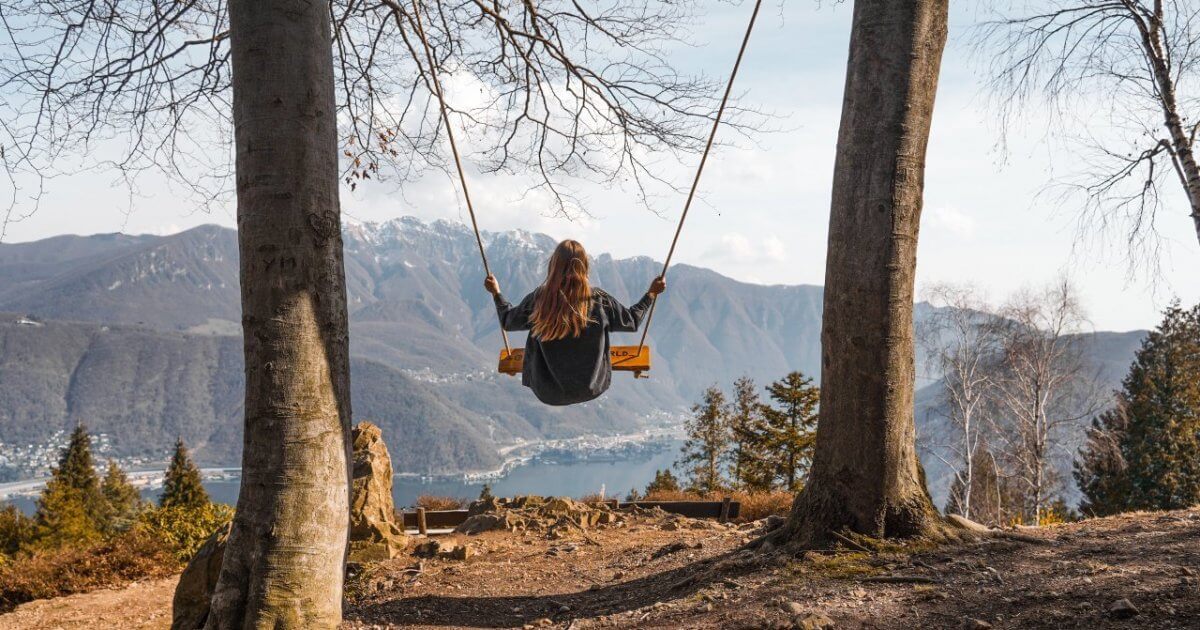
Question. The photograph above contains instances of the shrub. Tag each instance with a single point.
(54, 573)
(433, 502)
(181, 530)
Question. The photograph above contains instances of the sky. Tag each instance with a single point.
(764, 201)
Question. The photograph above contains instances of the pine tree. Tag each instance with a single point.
(124, 502)
(64, 518)
(1100, 467)
(77, 468)
(707, 446)
(16, 530)
(792, 427)
(753, 466)
(664, 481)
(71, 509)
(181, 486)
(1160, 399)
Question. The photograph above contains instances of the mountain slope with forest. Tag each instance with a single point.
(141, 341)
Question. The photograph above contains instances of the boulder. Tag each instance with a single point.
(189, 608)
(374, 533)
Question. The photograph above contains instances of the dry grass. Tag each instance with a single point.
(434, 503)
(45, 574)
(754, 505)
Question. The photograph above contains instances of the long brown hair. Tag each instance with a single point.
(562, 306)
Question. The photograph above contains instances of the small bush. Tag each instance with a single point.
(435, 503)
(183, 529)
(594, 497)
(54, 573)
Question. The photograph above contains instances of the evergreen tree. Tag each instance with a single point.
(64, 517)
(1100, 466)
(792, 427)
(664, 481)
(1160, 437)
(753, 467)
(181, 486)
(707, 446)
(16, 530)
(77, 468)
(71, 509)
(124, 502)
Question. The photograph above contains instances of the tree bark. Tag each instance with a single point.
(865, 475)
(283, 567)
(1181, 141)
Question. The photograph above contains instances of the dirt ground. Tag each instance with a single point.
(139, 606)
(642, 575)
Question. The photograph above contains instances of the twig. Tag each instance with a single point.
(851, 543)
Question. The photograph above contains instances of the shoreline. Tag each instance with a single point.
(518, 455)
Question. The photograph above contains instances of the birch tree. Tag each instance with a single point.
(1125, 75)
(1044, 391)
(962, 340)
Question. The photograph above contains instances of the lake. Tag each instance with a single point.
(546, 478)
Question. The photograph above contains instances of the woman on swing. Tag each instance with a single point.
(567, 351)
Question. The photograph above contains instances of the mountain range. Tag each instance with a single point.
(138, 336)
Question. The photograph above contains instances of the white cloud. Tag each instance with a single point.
(737, 248)
(950, 219)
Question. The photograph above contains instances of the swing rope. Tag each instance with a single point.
(700, 169)
(437, 89)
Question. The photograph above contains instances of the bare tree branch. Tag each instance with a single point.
(552, 88)
(1126, 71)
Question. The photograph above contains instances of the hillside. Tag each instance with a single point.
(141, 341)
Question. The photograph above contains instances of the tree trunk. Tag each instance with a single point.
(1181, 141)
(283, 566)
(865, 475)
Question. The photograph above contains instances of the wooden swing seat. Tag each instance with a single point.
(624, 359)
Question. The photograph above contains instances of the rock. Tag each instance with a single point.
(428, 549)
(814, 621)
(374, 533)
(1122, 609)
(189, 608)
(503, 520)
(970, 623)
(792, 608)
(667, 550)
(483, 506)
(462, 552)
